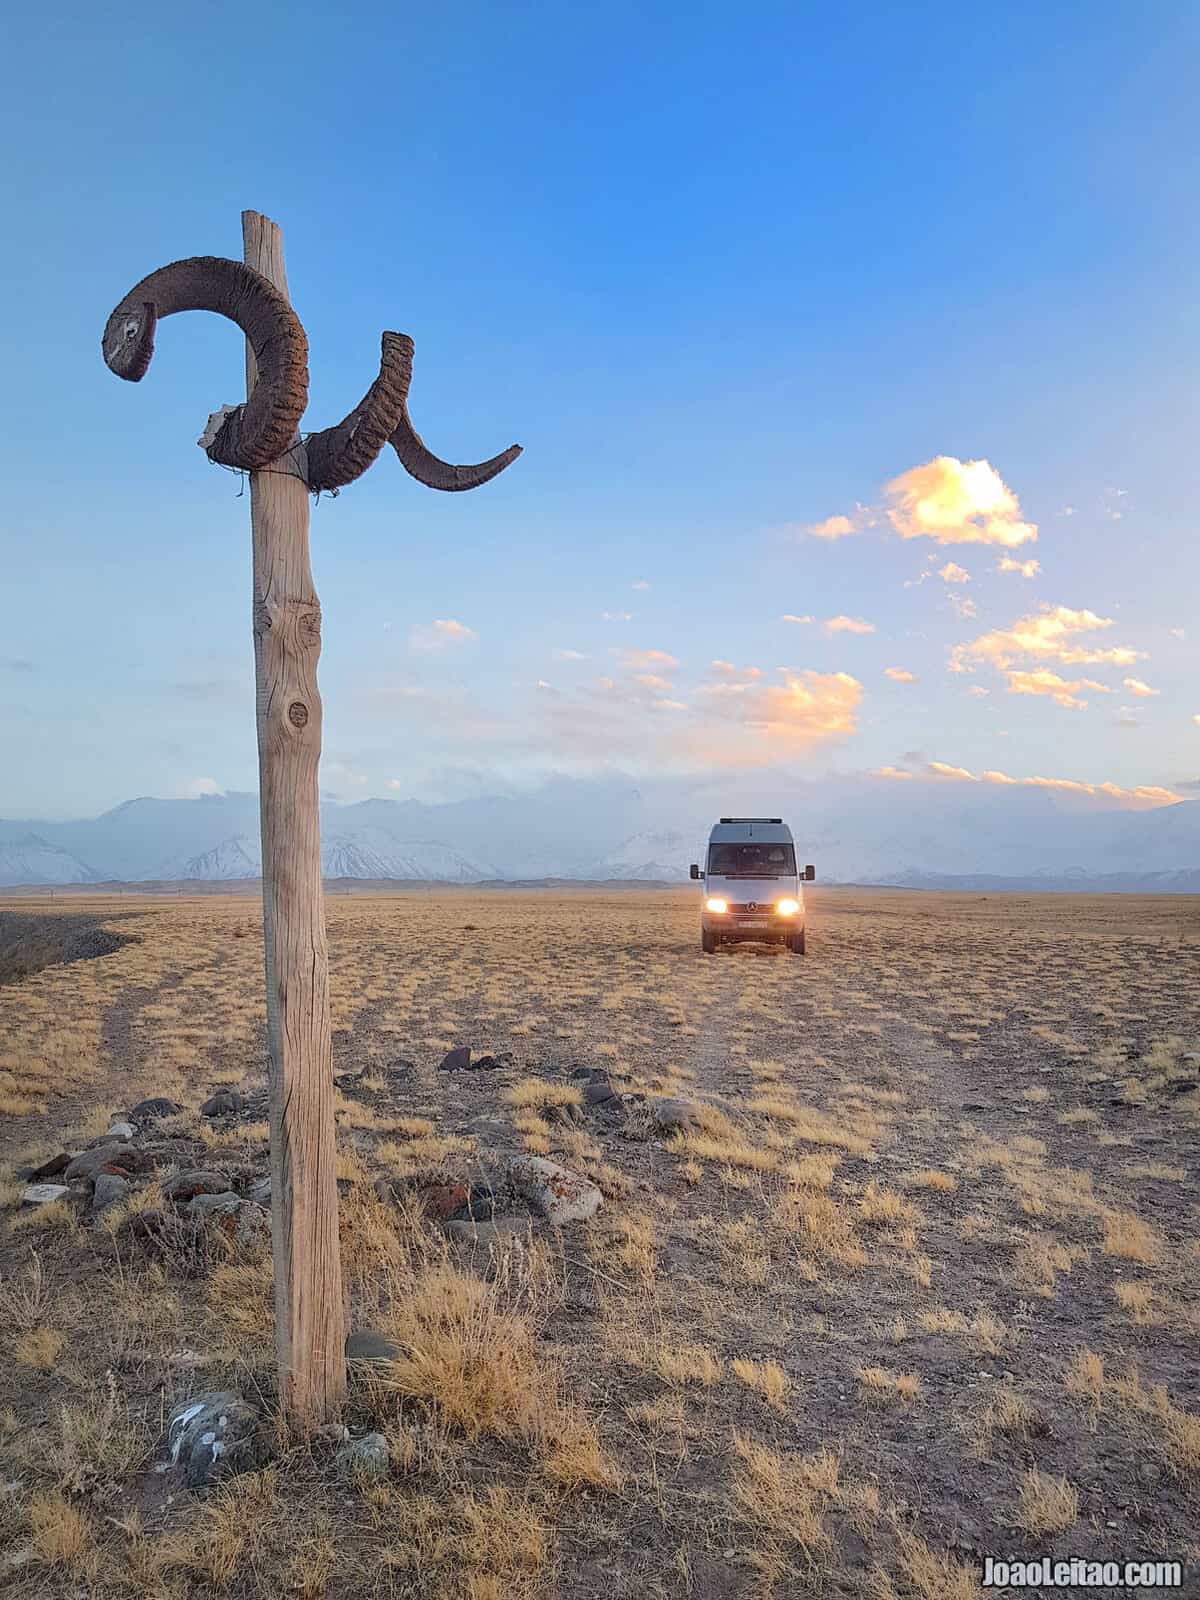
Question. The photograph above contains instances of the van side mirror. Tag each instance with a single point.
(810, 873)
(695, 872)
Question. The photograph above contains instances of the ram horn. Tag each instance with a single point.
(252, 434)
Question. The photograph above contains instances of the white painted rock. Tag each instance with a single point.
(552, 1191)
(44, 1194)
(213, 1436)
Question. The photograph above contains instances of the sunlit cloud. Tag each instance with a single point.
(1177, 633)
(890, 772)
(979, 691)
(953, 573)
(1144, 795)
(956, 502)
(799, 621)
(651, 680)
(1027, 569)
(726, 669)
(899, 675)
(833, 625)
(1140, 690)
(964, 606)
(440, 634)
(645, 660)
(1063, 691)
(1048, 634)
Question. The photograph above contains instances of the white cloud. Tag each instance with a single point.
(338, 775)
(832, 528)
(953, 573)
(964, 606)
(957, 502)
(569, 655)
(616, 616)
(1062, 691)
(726, 669)
(979, 691)
(443, 632)
(833, 625)
(800, 621)
(1140, 690)
(646, 660)
(1027, 569)
(1144, 794)
(641, 585)
(1177, 633)
(899, 675)
(193, 788)
(1047, 634)
(890, 772)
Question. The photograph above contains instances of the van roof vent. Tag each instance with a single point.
(752, 819)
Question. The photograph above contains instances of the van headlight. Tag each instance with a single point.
(788, 908)
(717, 905)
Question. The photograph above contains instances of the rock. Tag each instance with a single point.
(121, 1130)
(44, 1194)
(206, 1203)
(347, 1080)
(454, 1060)
(599, 1092)
(486, 1234)
(368, 1457)
(443, 1200)
(1184, 1086)
(188, 1184)
(240, 1220)
(368, 1346)
(125, 1158)
(581, 1072)
(110, 1190)
(223, 1103)
(676, 1116)
(212, 1436)
(260, 1192)
(51, 1168)
(400, 1068)
(150, 1110)
(485, 1064)
(488, 1128)
(554, 1192)
(1191, 1055)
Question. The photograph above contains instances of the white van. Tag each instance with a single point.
(751, 885)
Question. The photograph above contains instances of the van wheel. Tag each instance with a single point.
(708, 943)
(795, 943)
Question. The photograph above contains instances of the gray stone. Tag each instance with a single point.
(241, 1220)
(486, 1234)
(48, 1169)
(193, 1181)
(121, 1130)
(368, 1457)
(213, 1436)
(454, 1060)
(598, 1092)
(676, 1116)
(554, 1192)
(109, 1191)
(149, 1110)
(260, 1192)
(124, 1156)
(223, 1103)
(368, 1346)
(44, 1194)
(204, 1205)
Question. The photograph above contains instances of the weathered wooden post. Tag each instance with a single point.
(262, 437)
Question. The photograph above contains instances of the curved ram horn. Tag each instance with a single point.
(257, 432)
(430, 470)
(336, 456)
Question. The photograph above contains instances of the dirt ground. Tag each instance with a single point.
(920, 1284)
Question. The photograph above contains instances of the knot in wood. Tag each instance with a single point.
(297, 714)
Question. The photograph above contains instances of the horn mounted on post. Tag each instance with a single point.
(250, 436)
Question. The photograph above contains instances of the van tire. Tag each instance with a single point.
(708, 942)
(795, 943)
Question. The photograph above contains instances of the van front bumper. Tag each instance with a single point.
(766, 924)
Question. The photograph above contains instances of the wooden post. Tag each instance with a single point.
(310, 1318)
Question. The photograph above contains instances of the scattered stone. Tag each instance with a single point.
(368, 1457)
(106, 1157)
(581, 1072)
(485, 1233)
(455, 1060)
(223, 1103)
(676, 1116)
(194, 1181)
(51, 1168)
(485, 1064)
(599, 1092)
(212, 1436)
(206, 1203)
(347, 1080)
(552, 1191)
(121, 1130)
(488, 1129)
(110, 1190)
(44, 1194)
(241, 1220)
(260, 1192)
(368, 1346)
(1191, 1055)
(1184, 1086)
(150, 1110)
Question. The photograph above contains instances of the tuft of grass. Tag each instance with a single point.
(766, 1377)
(1045, 1504)
(1129, 1238)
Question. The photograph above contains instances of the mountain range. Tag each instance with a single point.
(923, 833)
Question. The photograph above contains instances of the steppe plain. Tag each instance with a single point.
(920, 1283)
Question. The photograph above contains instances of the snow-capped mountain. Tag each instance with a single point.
(29, 859)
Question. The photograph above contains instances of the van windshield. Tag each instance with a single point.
(752, 860)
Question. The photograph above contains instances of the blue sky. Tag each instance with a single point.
(725, 275)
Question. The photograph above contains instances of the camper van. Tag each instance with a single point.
(751, 885)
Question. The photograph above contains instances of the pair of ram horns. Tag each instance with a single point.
(254, 434)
